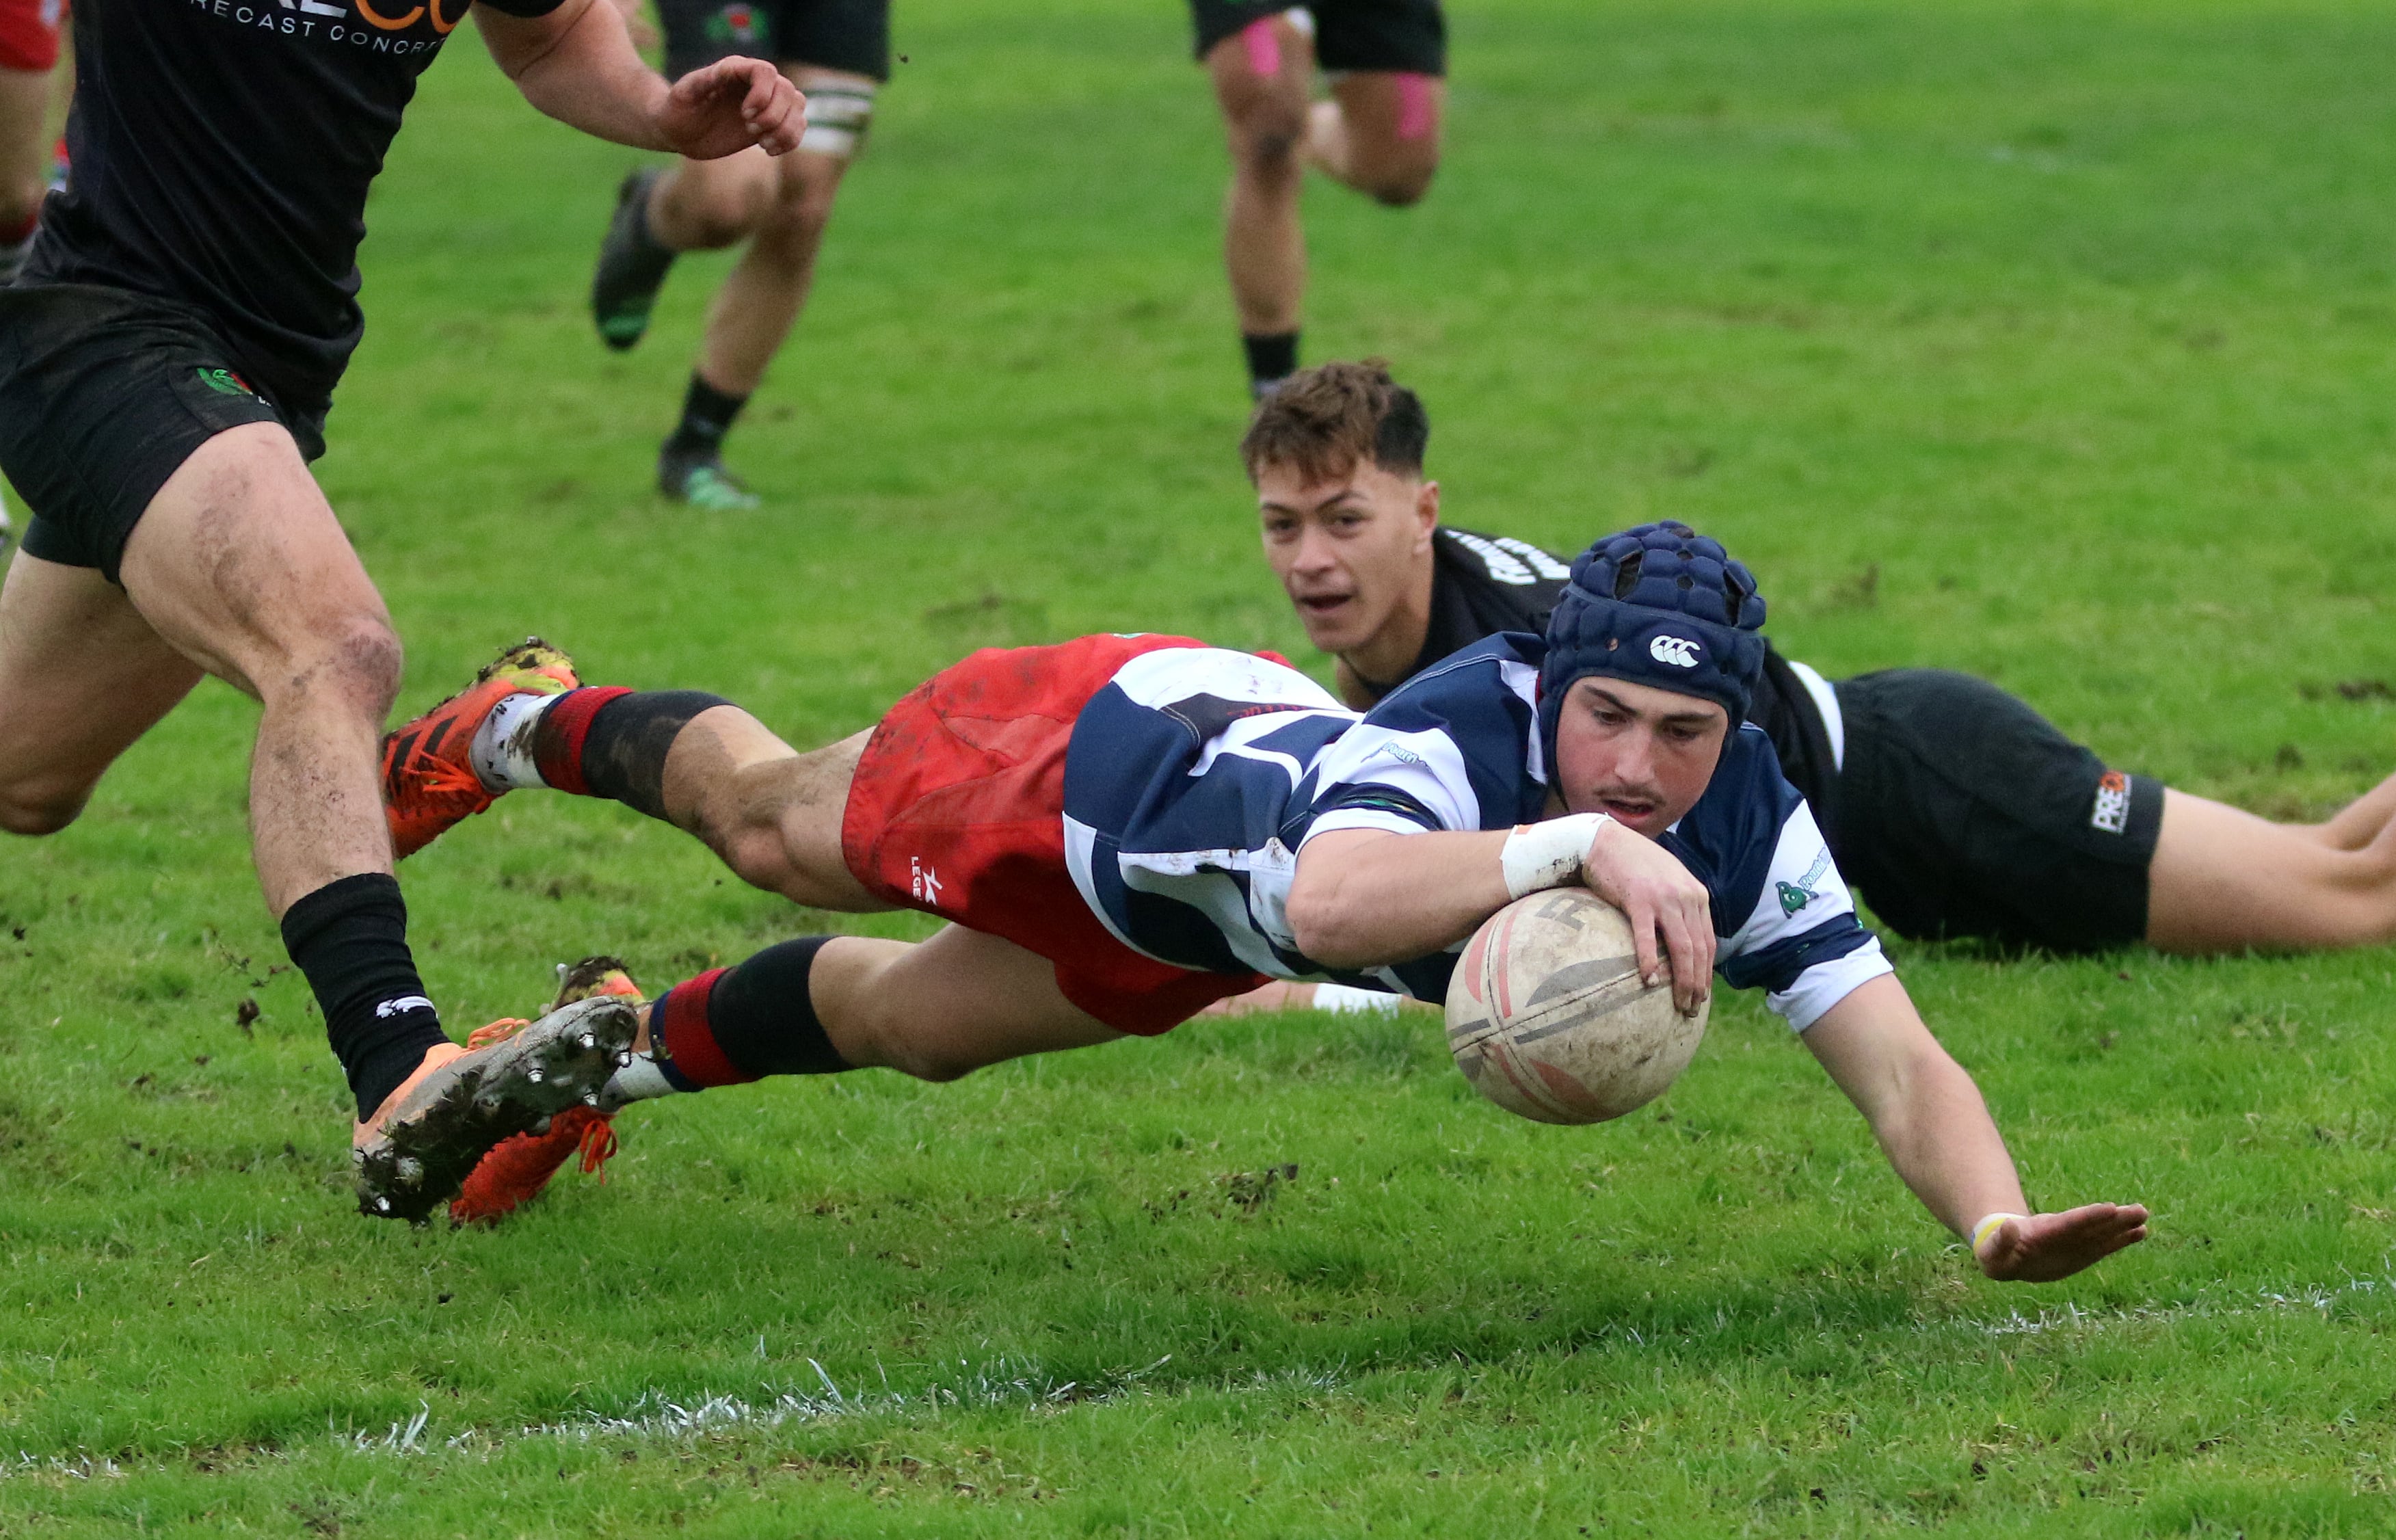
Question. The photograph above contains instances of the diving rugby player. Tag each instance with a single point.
(1126, 828)
(167, 360)
(1954, 808)
(838, 52)
(1378, 133)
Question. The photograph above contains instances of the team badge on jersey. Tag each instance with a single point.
(740, 23)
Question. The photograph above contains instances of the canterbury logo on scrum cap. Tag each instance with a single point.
(1679, 651)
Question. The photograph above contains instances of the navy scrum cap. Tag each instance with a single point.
(1658, 605)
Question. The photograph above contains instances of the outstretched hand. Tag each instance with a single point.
(2047, 1246)
(1663, 902)
(728, 106)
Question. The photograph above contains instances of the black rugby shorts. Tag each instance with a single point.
(104, 394)
(1963, 813)
(1397, 37)
(850, 35)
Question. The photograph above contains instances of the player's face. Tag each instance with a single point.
(1347, 552)
(1641, 754)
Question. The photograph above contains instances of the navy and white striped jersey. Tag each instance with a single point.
(1195, 777)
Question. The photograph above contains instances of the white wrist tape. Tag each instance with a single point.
(1548, 854)
(1343, 998)
(1989, 1226)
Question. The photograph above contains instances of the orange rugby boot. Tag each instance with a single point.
(516, 1170)
(429, 782)
(428, 1136)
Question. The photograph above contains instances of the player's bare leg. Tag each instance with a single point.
(780, 208)
(772, 812)
(1261, 76)
(940, 1009)
(2224, 881)
(1380, 134)
(82, 677)
(240, 566)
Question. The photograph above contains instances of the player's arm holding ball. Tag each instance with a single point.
(577, 63)
(1364, 898)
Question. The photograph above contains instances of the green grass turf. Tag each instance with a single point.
(2051, 341)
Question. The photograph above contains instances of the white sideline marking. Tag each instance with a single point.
(653, 1415)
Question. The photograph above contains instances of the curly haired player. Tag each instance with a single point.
(1126, 828)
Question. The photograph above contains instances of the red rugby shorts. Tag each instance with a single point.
(29, 34)
(958, 809)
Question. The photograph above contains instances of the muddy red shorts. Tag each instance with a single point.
(958, 809)
(29, 34)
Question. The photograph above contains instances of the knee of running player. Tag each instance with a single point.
(351, 660)
(1266, 120)
(1389, 126)
(801, 206)
(706, 207)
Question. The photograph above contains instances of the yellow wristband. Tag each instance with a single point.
(1988, 1226)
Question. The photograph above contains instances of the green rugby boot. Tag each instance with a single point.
(702, 480)
(632, 265)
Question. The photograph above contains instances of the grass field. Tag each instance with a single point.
(2052, 341)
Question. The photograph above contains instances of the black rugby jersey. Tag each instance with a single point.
(222, 150)
(1482, 585)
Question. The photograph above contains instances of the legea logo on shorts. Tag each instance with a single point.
(1678, 651)
(225, 382)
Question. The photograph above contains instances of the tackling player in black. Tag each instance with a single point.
(838, 52)
(167, 362)
(1955, 808)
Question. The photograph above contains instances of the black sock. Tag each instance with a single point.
(350, 937)
(706, 416)
(1271, 360)
(764, 1015)
(614, 743)
(731, 1025)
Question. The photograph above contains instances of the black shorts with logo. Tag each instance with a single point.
(104, 394)
(851, 36)
(1963, 813)
(1397, 37)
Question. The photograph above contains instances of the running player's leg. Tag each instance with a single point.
(1380, 133)
(81, 676)
(152, 465)
(783, 217)
(2224, 881)
(240, 565)
(1262, 66)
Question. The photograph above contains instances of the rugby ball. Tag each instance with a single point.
(1547, 1016)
